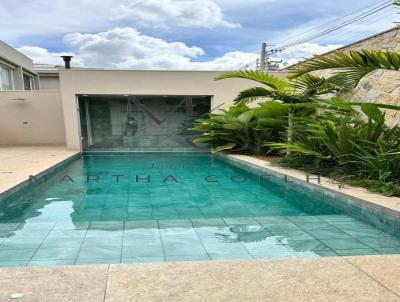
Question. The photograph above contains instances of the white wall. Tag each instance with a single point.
(31, 118)
(49, 82)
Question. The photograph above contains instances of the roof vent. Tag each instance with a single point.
(67, 61)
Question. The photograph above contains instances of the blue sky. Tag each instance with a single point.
(177, 34)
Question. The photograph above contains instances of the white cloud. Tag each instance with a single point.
(21, 19)
(229, 61)
(42, 56)
(127, 48)
(167, 13)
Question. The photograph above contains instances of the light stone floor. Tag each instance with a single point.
(18, 162)
(367, 278)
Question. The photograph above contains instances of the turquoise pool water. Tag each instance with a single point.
(172, 207)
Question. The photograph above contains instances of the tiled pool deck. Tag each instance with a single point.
(62, 243)
(18, 162)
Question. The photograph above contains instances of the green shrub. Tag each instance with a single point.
(351, 145)
(242, 129)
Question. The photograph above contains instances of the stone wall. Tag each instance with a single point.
(380, 86)
(388, 40)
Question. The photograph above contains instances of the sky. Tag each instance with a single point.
(179, 34)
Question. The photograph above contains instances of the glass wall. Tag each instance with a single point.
(6, 80)
(140, 123)
(28, 81)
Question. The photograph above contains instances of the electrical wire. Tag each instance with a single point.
(337, 27)
(376, 10)
(318, 28)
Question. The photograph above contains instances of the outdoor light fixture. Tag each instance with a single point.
(18, 99)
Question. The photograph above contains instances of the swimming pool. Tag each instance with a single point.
(150, 207)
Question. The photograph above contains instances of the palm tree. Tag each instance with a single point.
(303, 89)
(351, 67)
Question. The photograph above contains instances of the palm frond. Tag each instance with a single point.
(377, 105)
(267, 79)
(350, 67)
(248, 95)
(311, 85)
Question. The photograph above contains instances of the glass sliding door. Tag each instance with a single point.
(140, 123)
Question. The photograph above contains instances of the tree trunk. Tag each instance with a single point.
(290, 130)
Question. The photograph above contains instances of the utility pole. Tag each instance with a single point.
(264, 63)
(264, 57)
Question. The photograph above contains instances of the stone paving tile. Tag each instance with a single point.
(28, 160)
(50, 284)
(328, 234)
(384, 269)
(20, 254)
(100, 252)
(50, 262)
(324, 279)
(357, 252)
(382, 242)
(344, 244)
(56, 254)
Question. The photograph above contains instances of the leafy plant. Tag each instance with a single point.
(356, 145)
(302, 90)
(242, 129)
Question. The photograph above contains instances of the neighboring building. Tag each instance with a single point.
(16, 70)
(49, 76)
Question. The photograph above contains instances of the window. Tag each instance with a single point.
(6, 79)
(28, 82)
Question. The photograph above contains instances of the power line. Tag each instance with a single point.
(381, 18)
(337, 27)
(359, 37)
(345, 21)
(324, 25)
